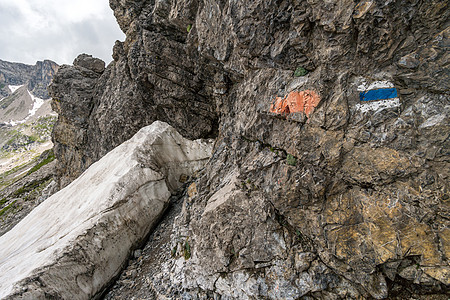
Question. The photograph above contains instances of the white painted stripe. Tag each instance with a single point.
(378, 105)
(375, 85)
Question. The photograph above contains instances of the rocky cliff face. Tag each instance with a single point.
(329, 176)
(36, 77)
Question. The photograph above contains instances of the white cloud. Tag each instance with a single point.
(59, 30)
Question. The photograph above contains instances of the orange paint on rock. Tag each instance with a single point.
(278, 106)
(304, 101)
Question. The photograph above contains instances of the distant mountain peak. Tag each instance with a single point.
(36, 77)
(22, 106)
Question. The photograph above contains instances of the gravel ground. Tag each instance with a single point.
(147, 275)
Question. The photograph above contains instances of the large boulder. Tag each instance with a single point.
(75, 242)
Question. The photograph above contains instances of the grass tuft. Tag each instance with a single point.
(300, 71)
(49, 159)
(291, 160)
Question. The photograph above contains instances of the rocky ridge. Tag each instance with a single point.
(341, 198)
(36, 78)
(26, 123)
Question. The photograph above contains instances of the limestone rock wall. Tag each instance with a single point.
(344, 197)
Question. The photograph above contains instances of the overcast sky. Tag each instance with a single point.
(59, 30)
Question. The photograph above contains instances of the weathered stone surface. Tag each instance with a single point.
(76, 241)
(153, 77)
(91, 63)
(341, 202)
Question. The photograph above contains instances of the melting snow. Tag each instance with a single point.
(120, 188)
(14, 88)
(37, 103)
(14, 123)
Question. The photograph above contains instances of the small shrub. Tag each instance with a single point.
(189, 27)
(234, 254)
(187, 250)
(300, 71)
(291, 160)
(173, 253)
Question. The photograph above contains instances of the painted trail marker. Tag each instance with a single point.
(294, 102)
(377, 95)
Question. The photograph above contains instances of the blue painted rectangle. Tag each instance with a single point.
(379, 94)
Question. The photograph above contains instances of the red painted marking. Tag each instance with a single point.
(304, 101)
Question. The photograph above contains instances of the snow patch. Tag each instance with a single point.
(124, 187)
(37, 103)
(14, 88)
(378, 105)
(14, 123)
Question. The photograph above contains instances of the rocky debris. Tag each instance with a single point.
(22, 107)
(147, 275)
(22, 143)
(24, 187)
(16, 107)
(347, 200)
(77, 240)
(36, 77)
